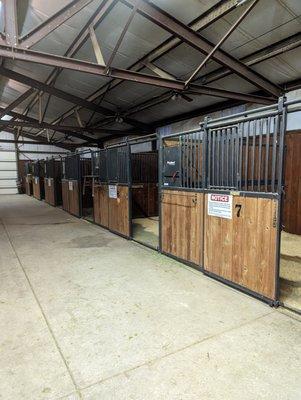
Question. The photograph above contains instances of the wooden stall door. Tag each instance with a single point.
(292, 179)
(65, 195)
(74, 200)
(182, 225)
(101, 205)
(50, 191)
(119, 212)
(36, 188)
(28, 185)
(243, 249)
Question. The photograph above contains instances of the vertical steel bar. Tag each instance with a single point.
(259, 155)
(274, 154)
(253, 154)
(267, 152)
(222, 157)
(246, 186)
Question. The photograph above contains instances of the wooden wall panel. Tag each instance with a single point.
(182, 225)
(292, 180)
(50, 191)
(101, 205)
(243, 249)
(74, 199)
(38, 188)
(119, 211)
(28, 185)
(65, 195)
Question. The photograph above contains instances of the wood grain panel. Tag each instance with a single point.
(65, 195)
(37, 188)
(292, 180)
(182, 225)
(28, 185)
(101, 205)
(243, 249)
(50, 197)
(74, 199)
(119, 211)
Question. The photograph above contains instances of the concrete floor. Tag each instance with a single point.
(146, 230)
(290, 270)
(88, 315)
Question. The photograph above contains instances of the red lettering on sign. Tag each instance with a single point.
(220, 197)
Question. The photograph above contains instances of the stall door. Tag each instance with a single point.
(36, 187)
(74, 198)
(28, 185)
(50, 191)
(65, 195)
(101, 205)
(240, 241)
(119, 209)
(182, 225)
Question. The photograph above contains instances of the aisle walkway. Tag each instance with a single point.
(87, 315)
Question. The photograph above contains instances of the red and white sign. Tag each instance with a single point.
(220, 205)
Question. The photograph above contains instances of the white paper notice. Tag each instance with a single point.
(112, 191)
(220, 205)
(70, 185)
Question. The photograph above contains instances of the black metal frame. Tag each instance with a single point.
(280, 111)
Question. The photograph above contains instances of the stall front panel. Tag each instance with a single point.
(119, 209)
(38, 180)
(65, 195)
(71, 185)
(182, 197)
(242, 202)
(53, 186)
(100, 188)
(182, 225)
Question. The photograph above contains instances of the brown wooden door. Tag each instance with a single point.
(292, 180)
(50, 191)
(74, 199)
(119, 212)
(243, 249)
(101, 205)
(36, 188)
(182, 225)
(65, 195)
(28, 185)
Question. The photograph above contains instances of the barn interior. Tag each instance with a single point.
(150, 199)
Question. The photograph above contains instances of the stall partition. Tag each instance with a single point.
(182, 197)
(53, 184)
(144, 190)
(38, 180)
(100, 188)
(28, 178)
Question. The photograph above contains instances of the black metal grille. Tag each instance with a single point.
(72, 167)
(99, 165)
(182, 161)
(246, 155)
(144, 167)
(117, 164)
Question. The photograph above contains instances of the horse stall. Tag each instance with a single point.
(182, 197)
(28, 178)
(244, 155)
(76, 184)
(100, 188)
(144, 191)
(38, 180)
(53, 185)
(111, 189)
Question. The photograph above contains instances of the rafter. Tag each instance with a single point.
(17, 102)
(83, 66)
(219, 10)
(52, 23)
(11, 23)
(221, 41)
(188, 35)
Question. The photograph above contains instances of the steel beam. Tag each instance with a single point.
(52, 23)
(83, 66)
(257, 57)
(11, 22)
(210, 16)
(121, 37)
(221, 41)
(188, 35)
(17, 102)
